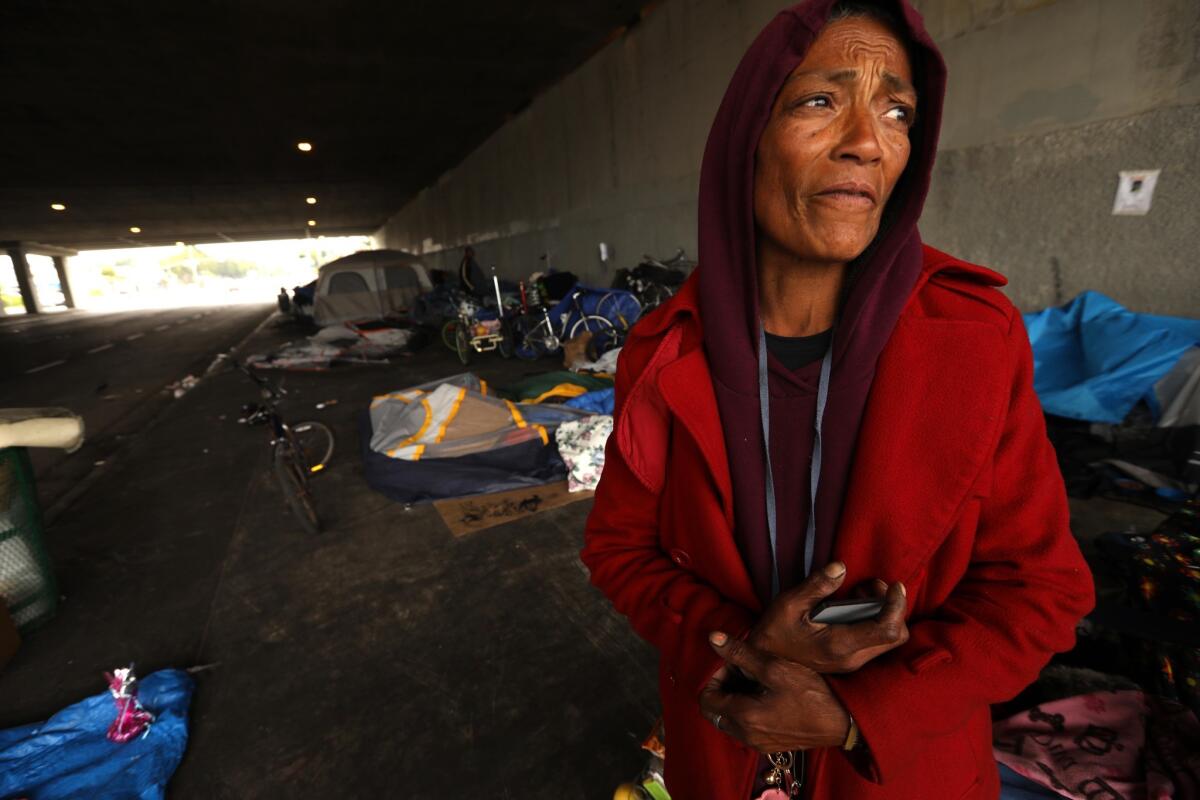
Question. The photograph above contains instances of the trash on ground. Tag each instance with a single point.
(132, 719)
(71, 755)
(181, 387)
(605, 364)
(469, 514)
(581, 446)
(349, 342)
(327, 404)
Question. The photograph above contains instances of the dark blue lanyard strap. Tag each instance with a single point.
(764, 407)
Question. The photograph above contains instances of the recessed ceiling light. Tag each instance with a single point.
(58, 206)
(135, 229)
(304, 147)
(312, 201)
(312, 223)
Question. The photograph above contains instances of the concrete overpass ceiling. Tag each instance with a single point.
(183, 118)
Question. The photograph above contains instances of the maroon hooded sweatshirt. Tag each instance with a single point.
(879, 285)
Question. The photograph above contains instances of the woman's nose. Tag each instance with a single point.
(859, 137)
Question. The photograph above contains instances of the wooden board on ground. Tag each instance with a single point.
(464, 515)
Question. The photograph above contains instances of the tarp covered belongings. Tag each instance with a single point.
(554, 386)
(1094, 359)
(69, 755)
(454, 437)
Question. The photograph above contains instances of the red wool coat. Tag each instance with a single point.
(954, 490)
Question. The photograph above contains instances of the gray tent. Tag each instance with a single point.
(369, 284)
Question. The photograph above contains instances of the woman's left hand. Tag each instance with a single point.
(791, 709)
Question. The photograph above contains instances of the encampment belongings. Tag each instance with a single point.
(554, 285)
(651, 783)
(600, 401)
(1094, 360)
(132, 718)
(1134, 462)
(554, 386)
(605, 364)
(182, 386)
(71, 754)
(27, 584)
(464, 515)
(1105, 744)
(10, 640)
(303, 298)
(581, 446)
(454, 437)
(344, 343)
(1162, 580)
(369, 284)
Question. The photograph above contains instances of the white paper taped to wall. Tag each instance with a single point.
(1135, 190)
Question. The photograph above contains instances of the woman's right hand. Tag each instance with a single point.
(786, 628)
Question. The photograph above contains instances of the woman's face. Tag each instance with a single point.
(836, 144)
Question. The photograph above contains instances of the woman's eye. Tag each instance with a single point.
(900, 113)
(820, 101)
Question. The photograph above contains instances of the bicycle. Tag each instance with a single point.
(297, 451)
(655, 281)
(540, 336)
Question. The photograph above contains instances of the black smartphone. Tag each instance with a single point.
(841, 612)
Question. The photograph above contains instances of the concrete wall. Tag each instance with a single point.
(1048, 99)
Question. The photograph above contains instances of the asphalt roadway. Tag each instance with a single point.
(383, 658)
(113, 369)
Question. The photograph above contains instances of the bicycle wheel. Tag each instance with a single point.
(620, 308)
(461, 345)
(537, 342)
(448, 334)
(314, 443)
(507, 344)
(598, 326)
(294, 485)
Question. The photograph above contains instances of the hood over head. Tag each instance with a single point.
(878, 287)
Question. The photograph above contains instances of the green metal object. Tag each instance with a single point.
(27, 584)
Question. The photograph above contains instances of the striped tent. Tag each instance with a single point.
(457, 416)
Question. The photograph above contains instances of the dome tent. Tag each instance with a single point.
(369, 284)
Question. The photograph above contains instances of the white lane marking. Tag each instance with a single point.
(45, 366)
(162, 327)
(131, 337)
(101, 348)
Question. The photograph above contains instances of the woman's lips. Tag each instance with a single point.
(848, 195)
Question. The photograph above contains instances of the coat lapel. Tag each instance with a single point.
(686, 386)
(927, 429)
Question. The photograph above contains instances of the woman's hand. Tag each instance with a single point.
(793, 708)
(787, 630)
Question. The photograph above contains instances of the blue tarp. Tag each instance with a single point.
(598, 402)
(68, 756)
(1094, 359)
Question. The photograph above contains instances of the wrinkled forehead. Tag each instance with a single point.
(846, 47)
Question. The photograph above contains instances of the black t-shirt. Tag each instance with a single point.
(795, 352)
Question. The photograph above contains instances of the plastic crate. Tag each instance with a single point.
(26, 580)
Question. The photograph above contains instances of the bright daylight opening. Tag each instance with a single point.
(183, 274)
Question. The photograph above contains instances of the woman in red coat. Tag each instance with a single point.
(827, 408)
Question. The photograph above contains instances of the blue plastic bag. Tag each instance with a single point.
(1094, 359)
(68, 756)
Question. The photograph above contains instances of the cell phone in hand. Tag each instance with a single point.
(842, 612)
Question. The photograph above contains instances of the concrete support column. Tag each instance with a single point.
(24, 280)
(60, 266)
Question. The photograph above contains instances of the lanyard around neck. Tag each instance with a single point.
(764, 407)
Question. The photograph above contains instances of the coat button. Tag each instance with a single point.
(680, 557)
